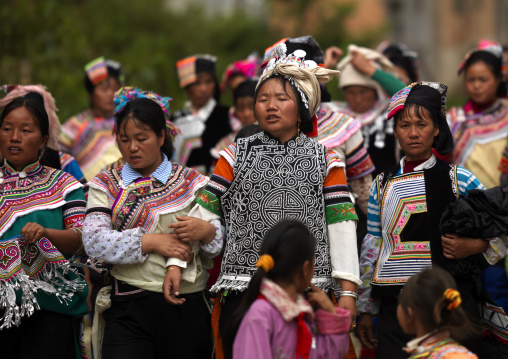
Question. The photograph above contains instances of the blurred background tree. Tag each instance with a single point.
(50, 41)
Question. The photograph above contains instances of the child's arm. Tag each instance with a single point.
(332, 341)
(333, 324)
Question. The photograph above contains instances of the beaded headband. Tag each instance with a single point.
(491, 47)
(129, 93)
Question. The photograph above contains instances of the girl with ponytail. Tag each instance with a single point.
(279, 303)
(435, 317)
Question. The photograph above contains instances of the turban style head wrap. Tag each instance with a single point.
(13, 91)
(352, 77)
(305, 76)
(431, 96)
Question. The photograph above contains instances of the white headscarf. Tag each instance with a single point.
(306, 76)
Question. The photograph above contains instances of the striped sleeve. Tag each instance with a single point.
(358, 161)
(373, 216)
(68, 134)
(73, 210)
(338, 203)
(332, 161)
(467, 181)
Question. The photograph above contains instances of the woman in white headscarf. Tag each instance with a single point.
(277, 174)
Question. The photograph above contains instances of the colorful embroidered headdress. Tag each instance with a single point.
(14, 91)
(129, 93)
(304, 75)
(189, 68)
(99, 70)
(491, 47)
(248, 68)
(432, 96)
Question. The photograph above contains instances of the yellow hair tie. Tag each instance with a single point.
(454, 297)
(265, 261)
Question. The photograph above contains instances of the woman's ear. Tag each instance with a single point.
(436, 131)
(44, 142)
(162, 138)
(307, 272)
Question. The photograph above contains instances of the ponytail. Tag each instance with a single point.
(285, 248)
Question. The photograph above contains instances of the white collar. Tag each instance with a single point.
(204, 112)
(427, 164)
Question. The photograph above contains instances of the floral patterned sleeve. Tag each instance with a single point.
(104, 243)
(213, 249)
(369, 255)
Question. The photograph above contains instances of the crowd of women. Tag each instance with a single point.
(270, 229)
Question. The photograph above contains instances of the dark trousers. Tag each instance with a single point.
(150, 328)
(43, 335)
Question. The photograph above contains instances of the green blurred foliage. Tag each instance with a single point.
(50, 41)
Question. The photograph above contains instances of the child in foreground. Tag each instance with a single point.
(434, 317)
(274, 307)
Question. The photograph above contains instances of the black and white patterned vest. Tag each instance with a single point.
(272, 182)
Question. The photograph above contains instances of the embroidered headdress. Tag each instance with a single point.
(490, 47)
(129, 93)
(99, 70)
(14, 91)
(189, 68)
(306, 43)
(432, 96)
(304, 75)
(248, 68)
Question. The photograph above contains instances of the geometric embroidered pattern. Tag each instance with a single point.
(142, 202)
(402, 197)
(272, 182)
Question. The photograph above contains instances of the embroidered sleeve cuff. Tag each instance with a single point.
(333, 323)
(210, 201)
(214, 248)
